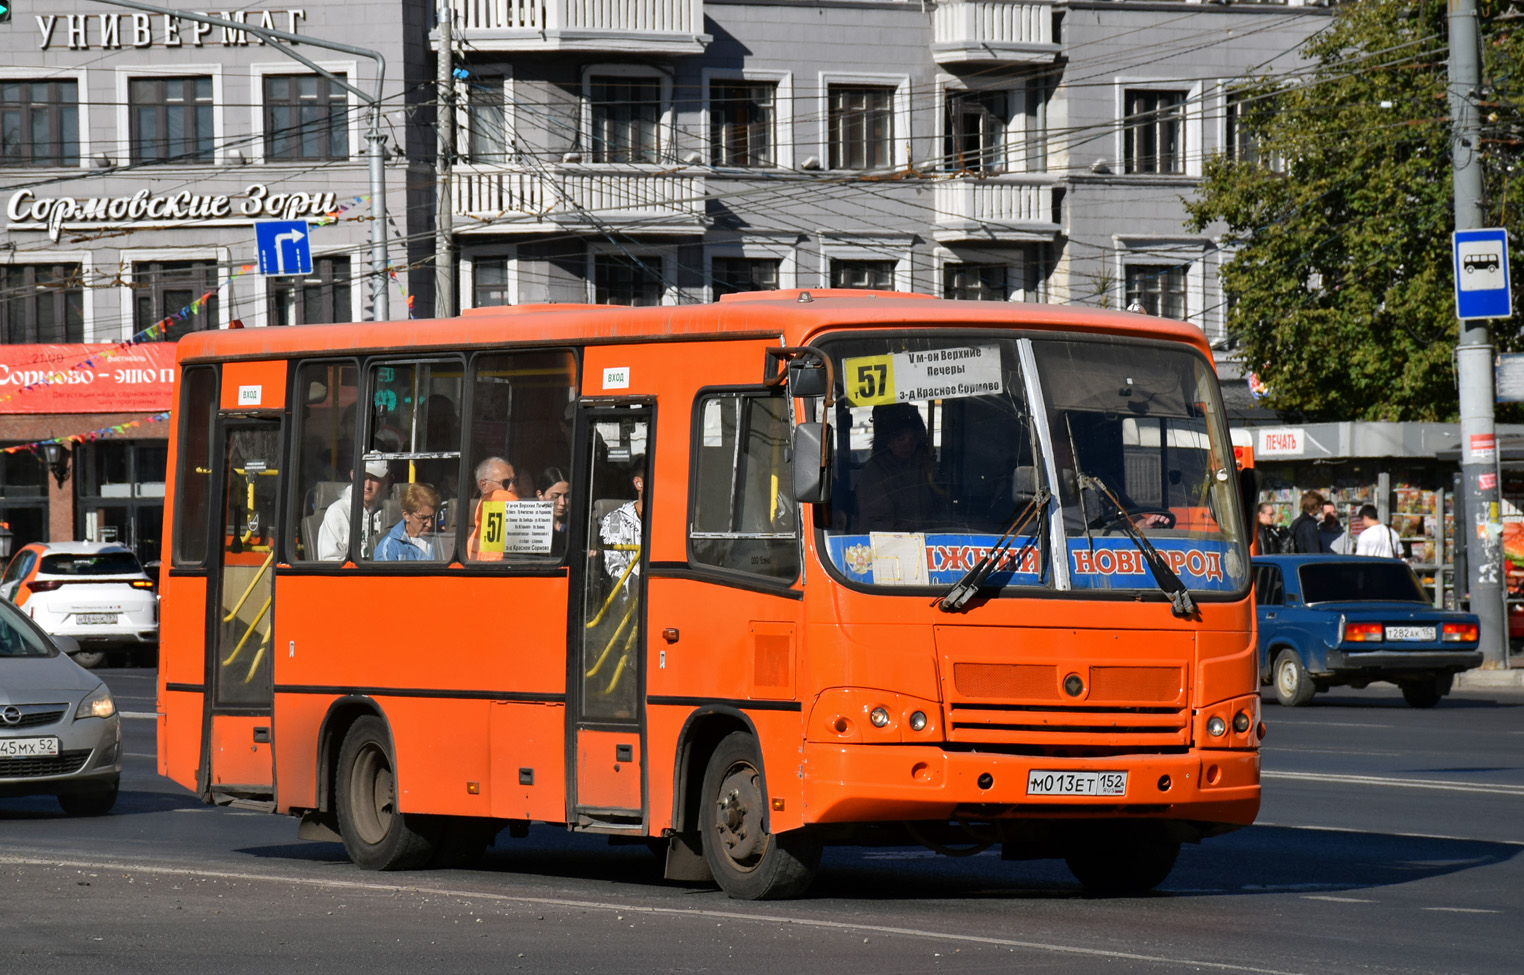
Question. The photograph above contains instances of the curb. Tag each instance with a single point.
(1490, 678)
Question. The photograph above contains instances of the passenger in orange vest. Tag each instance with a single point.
(495, 481)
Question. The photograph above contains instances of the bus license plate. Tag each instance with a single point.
(84, 619)
(1044, 783)
(28, 747)
(1423, 634)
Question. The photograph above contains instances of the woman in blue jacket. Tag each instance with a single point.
(407, 541)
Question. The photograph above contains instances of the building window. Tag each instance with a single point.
(306, 117)
(1154, 140)
(486, 122)
(39, 123)
(874, 275)
(626, 115)
(1156, 290)
(976, 122)
(974, 282)
(622, 280)
(42, 303)
(861, 120)
(1246, 113)
(171, 120)
(164, 288)
(742, 120)
(489, 282)
(321, 297)
(121, 494)
(733, 274)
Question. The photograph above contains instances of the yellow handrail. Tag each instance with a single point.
(252, 583)
(618, 631)
(247, 633)
(619, 584)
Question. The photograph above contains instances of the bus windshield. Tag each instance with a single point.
(1098, 448)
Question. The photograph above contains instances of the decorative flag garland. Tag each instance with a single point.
(100, 434)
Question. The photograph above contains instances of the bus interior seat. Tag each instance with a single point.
(321, 495)
(311, 525)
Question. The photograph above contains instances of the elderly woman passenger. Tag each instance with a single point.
(406, 542)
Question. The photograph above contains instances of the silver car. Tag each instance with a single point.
(59, 731)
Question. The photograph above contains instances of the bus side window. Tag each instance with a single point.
(193, 501)
(520, 427)
(413, 433)
(744, 517)
(325, 462)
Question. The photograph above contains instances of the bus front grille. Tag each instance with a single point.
(1145, 728)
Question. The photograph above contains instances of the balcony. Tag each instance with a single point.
(993, 31)
(613, 26)
(995, 209)
(629, 199)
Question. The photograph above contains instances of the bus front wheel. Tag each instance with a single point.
(747, 861)
(377, 836)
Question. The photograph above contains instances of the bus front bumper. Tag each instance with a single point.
(884, 783)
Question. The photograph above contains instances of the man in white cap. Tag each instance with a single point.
(333, 536)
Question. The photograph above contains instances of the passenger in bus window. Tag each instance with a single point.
(896, 492)
(495, 481)
(557, 490)
(620, 530)
(408, 540)
(333, 536)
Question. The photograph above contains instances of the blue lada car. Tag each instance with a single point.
(1336, 620)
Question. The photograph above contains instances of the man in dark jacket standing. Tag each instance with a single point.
(1304, 530)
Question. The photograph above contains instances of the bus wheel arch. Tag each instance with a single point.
(377, 834)
(747, 860)
(701, 735)
(342, 714)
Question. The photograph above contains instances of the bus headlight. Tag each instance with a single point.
(1216, 727)
(918, 721)
(879, 717)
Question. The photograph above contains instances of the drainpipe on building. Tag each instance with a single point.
(374, 137)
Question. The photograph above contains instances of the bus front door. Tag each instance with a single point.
(608, 622)
(238, 765)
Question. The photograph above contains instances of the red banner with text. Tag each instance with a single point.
(103, 378)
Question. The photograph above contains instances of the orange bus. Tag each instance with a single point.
(735, 580)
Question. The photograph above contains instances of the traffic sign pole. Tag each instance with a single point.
(1483, 532)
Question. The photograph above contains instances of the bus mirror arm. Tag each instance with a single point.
(808, 373)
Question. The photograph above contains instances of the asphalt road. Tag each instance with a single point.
(1389, 842)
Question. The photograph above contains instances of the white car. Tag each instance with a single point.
(95, 592)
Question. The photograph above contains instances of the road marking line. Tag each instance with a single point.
(1176, 963)
(1340, 724)
(1462, 910)
(1446, 785)
(1365, 832)
(140, 755)
(142, 715)
(1337, 900)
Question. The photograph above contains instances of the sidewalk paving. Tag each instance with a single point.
(1491, 678)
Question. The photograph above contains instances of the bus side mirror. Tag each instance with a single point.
(806, 378)
(811, 461)
(1248, 497)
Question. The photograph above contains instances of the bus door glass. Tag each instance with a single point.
(242, 612)
(608, 638)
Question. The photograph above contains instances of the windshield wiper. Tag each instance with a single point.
(967, 587)
(1180, 600)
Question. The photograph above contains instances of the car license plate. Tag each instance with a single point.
(1045, 783)
(1410, 633)
(28, 747)
(85, 619)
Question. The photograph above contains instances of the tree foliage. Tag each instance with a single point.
(1340, 274)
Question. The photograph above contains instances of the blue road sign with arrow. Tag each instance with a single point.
(285, 246)
(1481, 274)
(5, 11)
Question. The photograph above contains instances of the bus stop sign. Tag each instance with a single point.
(1481, 274)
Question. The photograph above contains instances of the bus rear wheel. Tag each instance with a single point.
(1123, 863)
(748, 861)
(377, 836)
